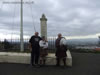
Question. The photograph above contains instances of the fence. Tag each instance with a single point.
(14, 44)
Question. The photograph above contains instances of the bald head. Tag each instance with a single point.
(36, 33)
(59, 35)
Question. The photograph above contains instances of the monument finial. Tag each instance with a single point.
(43, 17)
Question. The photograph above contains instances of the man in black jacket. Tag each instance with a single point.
(35, 48)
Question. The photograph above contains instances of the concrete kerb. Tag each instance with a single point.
(24, 58)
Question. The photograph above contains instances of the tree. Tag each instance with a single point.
(6, 45)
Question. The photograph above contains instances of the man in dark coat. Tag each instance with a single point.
(61, 49)
(35, 48)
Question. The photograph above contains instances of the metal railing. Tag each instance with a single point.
(14, 44)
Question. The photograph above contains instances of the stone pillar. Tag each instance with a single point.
(43, 20)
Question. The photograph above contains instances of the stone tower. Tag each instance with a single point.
(43, 20)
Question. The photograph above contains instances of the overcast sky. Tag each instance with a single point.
(69, 17)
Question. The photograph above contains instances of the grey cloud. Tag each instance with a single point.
(69, 17)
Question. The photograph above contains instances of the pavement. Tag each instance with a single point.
(83, 64)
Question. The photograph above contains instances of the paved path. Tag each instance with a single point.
(83, 64)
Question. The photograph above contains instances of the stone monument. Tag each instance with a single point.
(43, 20)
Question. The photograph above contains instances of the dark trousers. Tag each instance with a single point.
(35, 56)
(59, 59)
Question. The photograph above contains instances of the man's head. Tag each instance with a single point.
(59, 35)
(36, 33)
